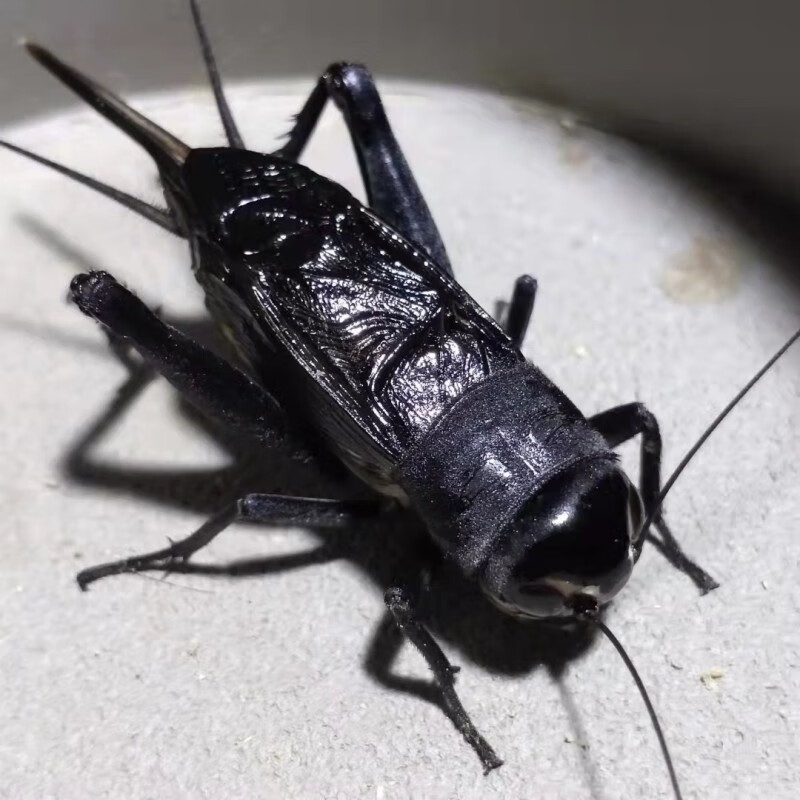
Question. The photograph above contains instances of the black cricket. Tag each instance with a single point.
(352, 329)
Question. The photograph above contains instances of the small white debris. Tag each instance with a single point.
(568, 122)
(712, 677)
(582, 745)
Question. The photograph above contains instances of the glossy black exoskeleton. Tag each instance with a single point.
(350, 325)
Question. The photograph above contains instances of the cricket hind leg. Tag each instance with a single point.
(221, 391)
(213, 385)
(271, 509)
(391, 188)
(618, 425)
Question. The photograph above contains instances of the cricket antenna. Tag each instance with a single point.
(643, 692)
(231, 131)
(656, 510)
(150, 212)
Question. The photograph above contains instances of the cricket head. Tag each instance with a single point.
(570, 547)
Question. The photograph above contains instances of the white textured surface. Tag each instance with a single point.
(256, 687)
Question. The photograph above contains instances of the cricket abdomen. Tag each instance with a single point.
(374, 341)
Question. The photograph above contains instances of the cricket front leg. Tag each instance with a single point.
(404, 615)
(618, 425)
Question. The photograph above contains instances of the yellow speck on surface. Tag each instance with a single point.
(709, 271)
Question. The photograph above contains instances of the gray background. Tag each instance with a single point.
(655, 285)
(716, 75)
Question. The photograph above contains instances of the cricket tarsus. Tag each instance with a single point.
(161, 217)
(670, 548)
(646, 698)
(231, 131)
(400, 607)
(653, 516)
